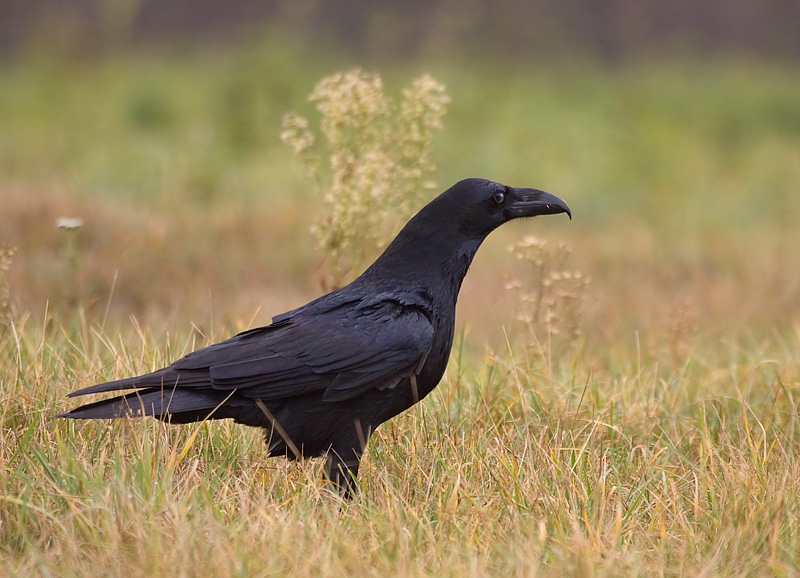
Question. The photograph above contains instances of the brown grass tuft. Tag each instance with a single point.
(375, 169)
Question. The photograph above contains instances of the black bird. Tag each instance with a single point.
(322, 377)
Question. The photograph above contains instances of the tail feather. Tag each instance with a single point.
(158, 403)
(165, 379)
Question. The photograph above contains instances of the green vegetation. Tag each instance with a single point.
(656, 432)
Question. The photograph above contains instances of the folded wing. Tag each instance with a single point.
(342, 352)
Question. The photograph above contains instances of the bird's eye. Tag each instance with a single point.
(499, 197)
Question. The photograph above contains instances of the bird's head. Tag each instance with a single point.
(445, 234)
(484, 205)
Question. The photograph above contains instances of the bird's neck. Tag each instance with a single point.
(430, 258)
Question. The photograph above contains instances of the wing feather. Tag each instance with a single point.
(343, 351)
(381, 347)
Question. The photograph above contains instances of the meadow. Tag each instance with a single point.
(649, 428)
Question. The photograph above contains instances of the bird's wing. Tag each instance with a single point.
(345, 352)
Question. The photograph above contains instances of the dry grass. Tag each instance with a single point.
(550, 304)
(6, 313)
(375, 169)
(511, 469)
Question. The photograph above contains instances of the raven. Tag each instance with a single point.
(323, 376)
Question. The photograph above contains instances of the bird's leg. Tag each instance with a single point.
(341, 471)
(344, 457)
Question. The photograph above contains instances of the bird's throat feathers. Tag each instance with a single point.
(410, 259)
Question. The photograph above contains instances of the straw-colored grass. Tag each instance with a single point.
(512, 468)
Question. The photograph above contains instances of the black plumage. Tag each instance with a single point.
(322, 377)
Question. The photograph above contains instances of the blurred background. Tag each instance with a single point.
(671, 128)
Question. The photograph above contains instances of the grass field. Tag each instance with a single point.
(661, 440)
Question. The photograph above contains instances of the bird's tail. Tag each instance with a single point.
(177, 406)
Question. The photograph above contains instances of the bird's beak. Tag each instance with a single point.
(532, 202)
